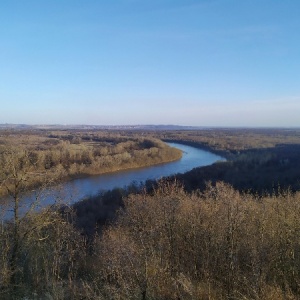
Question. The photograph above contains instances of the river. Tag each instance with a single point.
(77, 189)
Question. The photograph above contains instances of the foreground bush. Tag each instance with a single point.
(45, 259)
(218, 244)
(214, 244)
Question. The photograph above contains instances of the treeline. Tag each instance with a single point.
(216, 243)
(101, 158)
(259, 171)
(65, 155)
(232, 140)
(258, 160)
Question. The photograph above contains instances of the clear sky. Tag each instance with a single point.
(121, 62)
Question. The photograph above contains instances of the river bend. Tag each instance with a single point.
(77, 189)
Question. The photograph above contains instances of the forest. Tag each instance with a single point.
(258, 160)
(225, 231)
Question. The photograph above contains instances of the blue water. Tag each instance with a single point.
(192, 157)
(75, 190)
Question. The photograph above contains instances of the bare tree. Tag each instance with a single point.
(40, 250)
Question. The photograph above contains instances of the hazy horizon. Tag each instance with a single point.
(140, 126)
(152, 62)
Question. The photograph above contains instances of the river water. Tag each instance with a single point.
(75, 190)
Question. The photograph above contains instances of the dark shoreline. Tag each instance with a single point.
(228, 154)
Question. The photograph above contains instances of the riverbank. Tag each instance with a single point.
(88, 187)
(38, 159)
(228, 154)
(60, 178)
(118, 170)
(100, 197)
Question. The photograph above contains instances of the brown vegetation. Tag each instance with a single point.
(260, 160)
(211, 244)
(63, 154)
(232, 140)
(217, 242)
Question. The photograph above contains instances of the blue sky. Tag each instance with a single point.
(113, 62)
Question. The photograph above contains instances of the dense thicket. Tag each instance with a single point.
(260, 160)
(211, 244)
(215, 244)
(260, 171)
